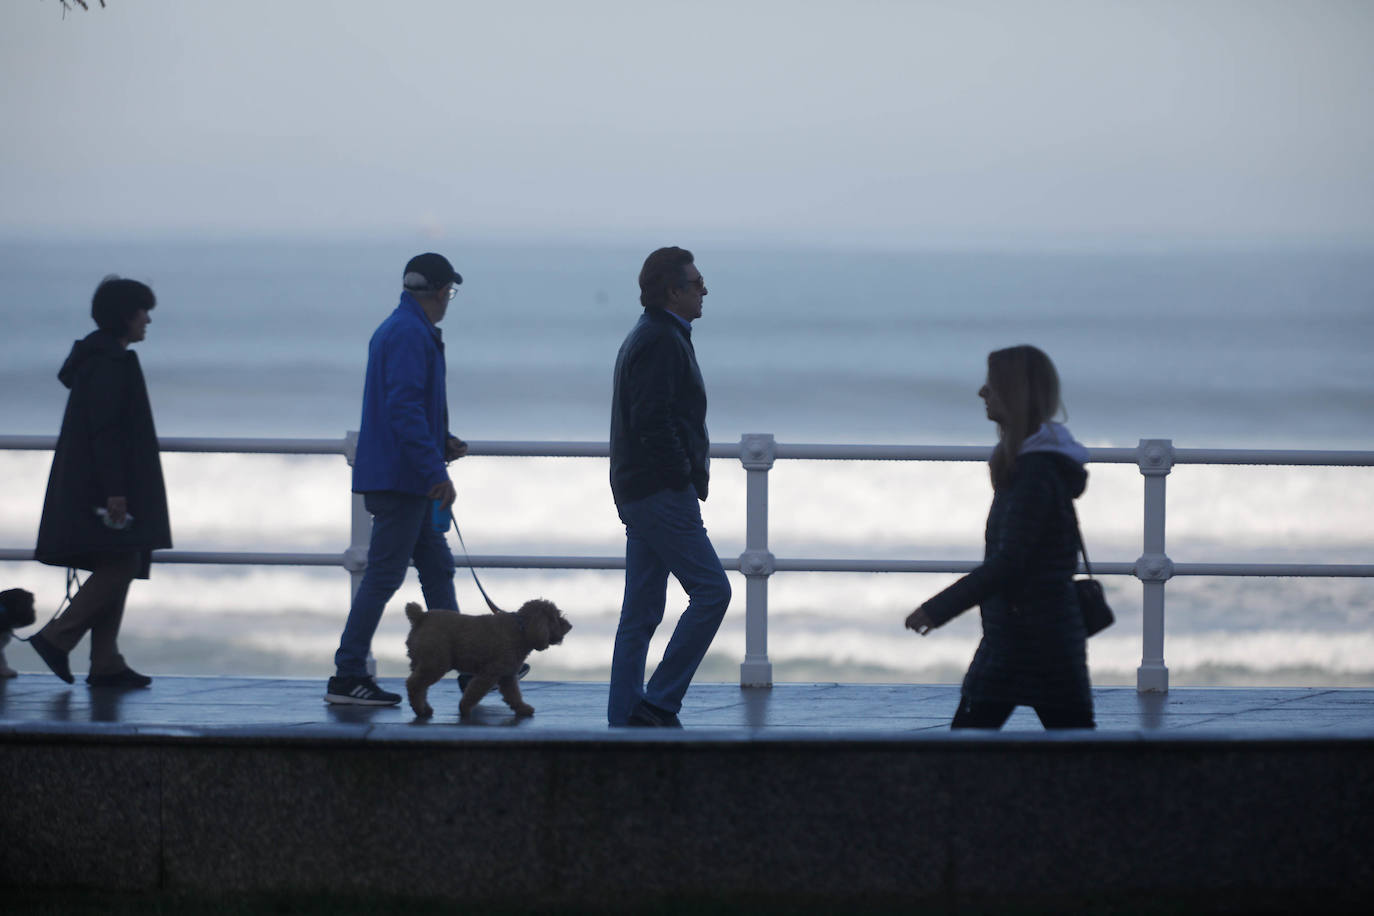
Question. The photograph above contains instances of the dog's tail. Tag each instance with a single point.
(415, 613)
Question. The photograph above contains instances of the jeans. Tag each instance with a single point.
(989, 714)
(401, 532)
(664, 534)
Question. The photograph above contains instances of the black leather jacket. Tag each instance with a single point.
(658, 412)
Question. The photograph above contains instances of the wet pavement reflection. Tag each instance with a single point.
(281, 707)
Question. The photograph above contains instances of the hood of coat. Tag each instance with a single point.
(97, 343)
(1069, 455)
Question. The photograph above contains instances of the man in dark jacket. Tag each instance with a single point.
(403, 447)
(660, 469)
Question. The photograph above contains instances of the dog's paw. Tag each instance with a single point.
(524, 709)
(423, 712)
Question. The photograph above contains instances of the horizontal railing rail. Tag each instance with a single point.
(757, 453)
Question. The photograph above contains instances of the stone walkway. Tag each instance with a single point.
(293, 709)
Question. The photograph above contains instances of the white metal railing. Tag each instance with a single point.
(757, 453)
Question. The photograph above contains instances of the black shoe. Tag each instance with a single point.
(647, 715)
(359, 691)
(128, 678)
(465, 679)
(52, 656)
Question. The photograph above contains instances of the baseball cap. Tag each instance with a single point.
(429, 271)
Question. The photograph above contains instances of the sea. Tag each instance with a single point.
(1211, 347)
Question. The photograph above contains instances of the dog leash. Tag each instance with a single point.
(72, 579)
(453, 522)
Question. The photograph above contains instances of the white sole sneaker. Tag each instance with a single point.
(344, 700)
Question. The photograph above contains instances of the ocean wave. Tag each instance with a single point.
(816, 508)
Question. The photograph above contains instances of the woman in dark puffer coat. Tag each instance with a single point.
(1034, 648)
(106, 506)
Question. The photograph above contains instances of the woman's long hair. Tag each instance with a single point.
(1025, 381)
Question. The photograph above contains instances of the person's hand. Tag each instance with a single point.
(454, 448)
(919, 621)
(116, 510)
(444, 492)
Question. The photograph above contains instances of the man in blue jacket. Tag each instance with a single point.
(400, 468)
(660, 470)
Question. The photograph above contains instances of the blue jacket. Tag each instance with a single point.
(405, 406)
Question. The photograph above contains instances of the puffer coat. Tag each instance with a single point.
(1034, 647)
(107, 447)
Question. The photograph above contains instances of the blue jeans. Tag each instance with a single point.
(664, 534)
(401, 532)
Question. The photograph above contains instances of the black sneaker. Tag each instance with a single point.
(126, 679)
(52, 656)
(647, 715)
(465, 679)
(359, 691)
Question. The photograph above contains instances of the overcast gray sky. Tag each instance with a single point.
(858, 122)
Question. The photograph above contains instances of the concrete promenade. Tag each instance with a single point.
(289, 707)
(802, 795)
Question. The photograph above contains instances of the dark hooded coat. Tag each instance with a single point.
(1034, 648)
(107, 447)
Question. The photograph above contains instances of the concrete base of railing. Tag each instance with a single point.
(997, 820)
(755, 673)
(1152, 678)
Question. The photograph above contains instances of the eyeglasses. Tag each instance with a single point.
(698, 284)
(452, 293)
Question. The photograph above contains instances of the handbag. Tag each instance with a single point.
(1092, 602)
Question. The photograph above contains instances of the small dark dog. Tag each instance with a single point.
(490, 647)
(16, 610)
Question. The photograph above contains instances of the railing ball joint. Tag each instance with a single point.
(757, 563)
(1155, 457)
(355, 559)
(1154, 567)
(757, 451)
(350, 448)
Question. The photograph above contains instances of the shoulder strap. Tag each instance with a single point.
(1078, 531)
(1083, 548)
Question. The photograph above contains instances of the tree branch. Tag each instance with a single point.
(67, 4)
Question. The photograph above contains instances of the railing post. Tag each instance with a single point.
(1155, 459)
(359, 536)
(757, 452)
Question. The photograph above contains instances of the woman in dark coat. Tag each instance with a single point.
(106, 506)
(1034, 648)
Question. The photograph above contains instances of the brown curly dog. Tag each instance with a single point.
(489, 647)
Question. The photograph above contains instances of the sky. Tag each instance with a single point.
(863, 122)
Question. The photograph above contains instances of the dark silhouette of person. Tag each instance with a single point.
(660, 471)
(106, 506)
(400, 468)
(1034, 648)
